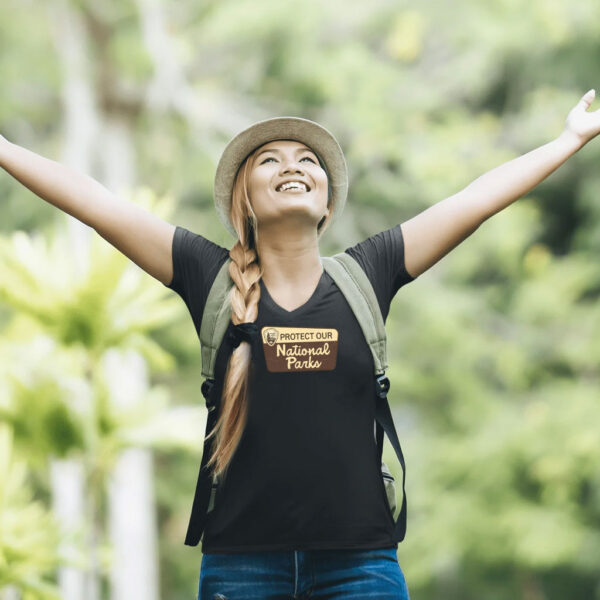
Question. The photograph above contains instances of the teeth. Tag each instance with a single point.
(293, 185)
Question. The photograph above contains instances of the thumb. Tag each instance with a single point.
(587, 98)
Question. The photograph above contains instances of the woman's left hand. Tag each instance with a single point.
(580, 124)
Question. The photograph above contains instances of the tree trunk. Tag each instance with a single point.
(132, 521)
(80, 125)
(67, 478)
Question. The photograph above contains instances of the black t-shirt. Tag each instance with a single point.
(305, 474)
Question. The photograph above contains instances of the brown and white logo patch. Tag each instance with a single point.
(294, 349)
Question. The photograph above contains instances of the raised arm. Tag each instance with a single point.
(140, 235)
(431, 234)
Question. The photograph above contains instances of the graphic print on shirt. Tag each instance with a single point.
(296, 349)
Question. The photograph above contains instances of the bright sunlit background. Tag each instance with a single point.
(494, 352)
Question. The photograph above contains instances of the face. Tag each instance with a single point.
(281, 161)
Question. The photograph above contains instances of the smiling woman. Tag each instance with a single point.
(290, 460)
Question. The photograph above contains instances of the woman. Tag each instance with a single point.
(303, 506)
(302, 511)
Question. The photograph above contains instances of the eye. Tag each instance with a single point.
(271, 158)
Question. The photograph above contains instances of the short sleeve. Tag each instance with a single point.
(196, 262)
(382, 258)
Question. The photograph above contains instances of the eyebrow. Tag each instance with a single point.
(303, 149)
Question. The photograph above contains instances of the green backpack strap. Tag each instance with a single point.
(215, 319)
(353, 282)
(355, 285)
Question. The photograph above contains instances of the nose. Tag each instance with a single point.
(292, 167)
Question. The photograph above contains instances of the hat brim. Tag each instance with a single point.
(302, 130)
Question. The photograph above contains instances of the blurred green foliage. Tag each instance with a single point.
(29, 537)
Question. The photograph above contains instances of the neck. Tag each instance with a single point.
(288, 256)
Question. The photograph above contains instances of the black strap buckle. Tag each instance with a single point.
(382, 385)
(207, 386)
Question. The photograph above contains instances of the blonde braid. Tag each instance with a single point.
(245, 272)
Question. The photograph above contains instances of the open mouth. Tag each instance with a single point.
(293, 187)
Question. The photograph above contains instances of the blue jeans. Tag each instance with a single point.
(303, 574)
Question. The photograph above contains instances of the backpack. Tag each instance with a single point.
(358, 291)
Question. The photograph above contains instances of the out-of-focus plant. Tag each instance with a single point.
(74, 308)
(28, 533)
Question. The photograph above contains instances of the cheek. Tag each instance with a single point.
(258, 185)
(259, 198)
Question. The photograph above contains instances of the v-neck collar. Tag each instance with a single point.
(278, 308)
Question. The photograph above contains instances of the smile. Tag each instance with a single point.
(293, 186)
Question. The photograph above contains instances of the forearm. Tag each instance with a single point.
(73, 192)
(496, 189)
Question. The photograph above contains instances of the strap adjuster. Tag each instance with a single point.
(206, 388)
(382, 385)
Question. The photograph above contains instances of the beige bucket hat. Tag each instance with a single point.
(302, 130)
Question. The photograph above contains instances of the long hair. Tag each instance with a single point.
(245, 271)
